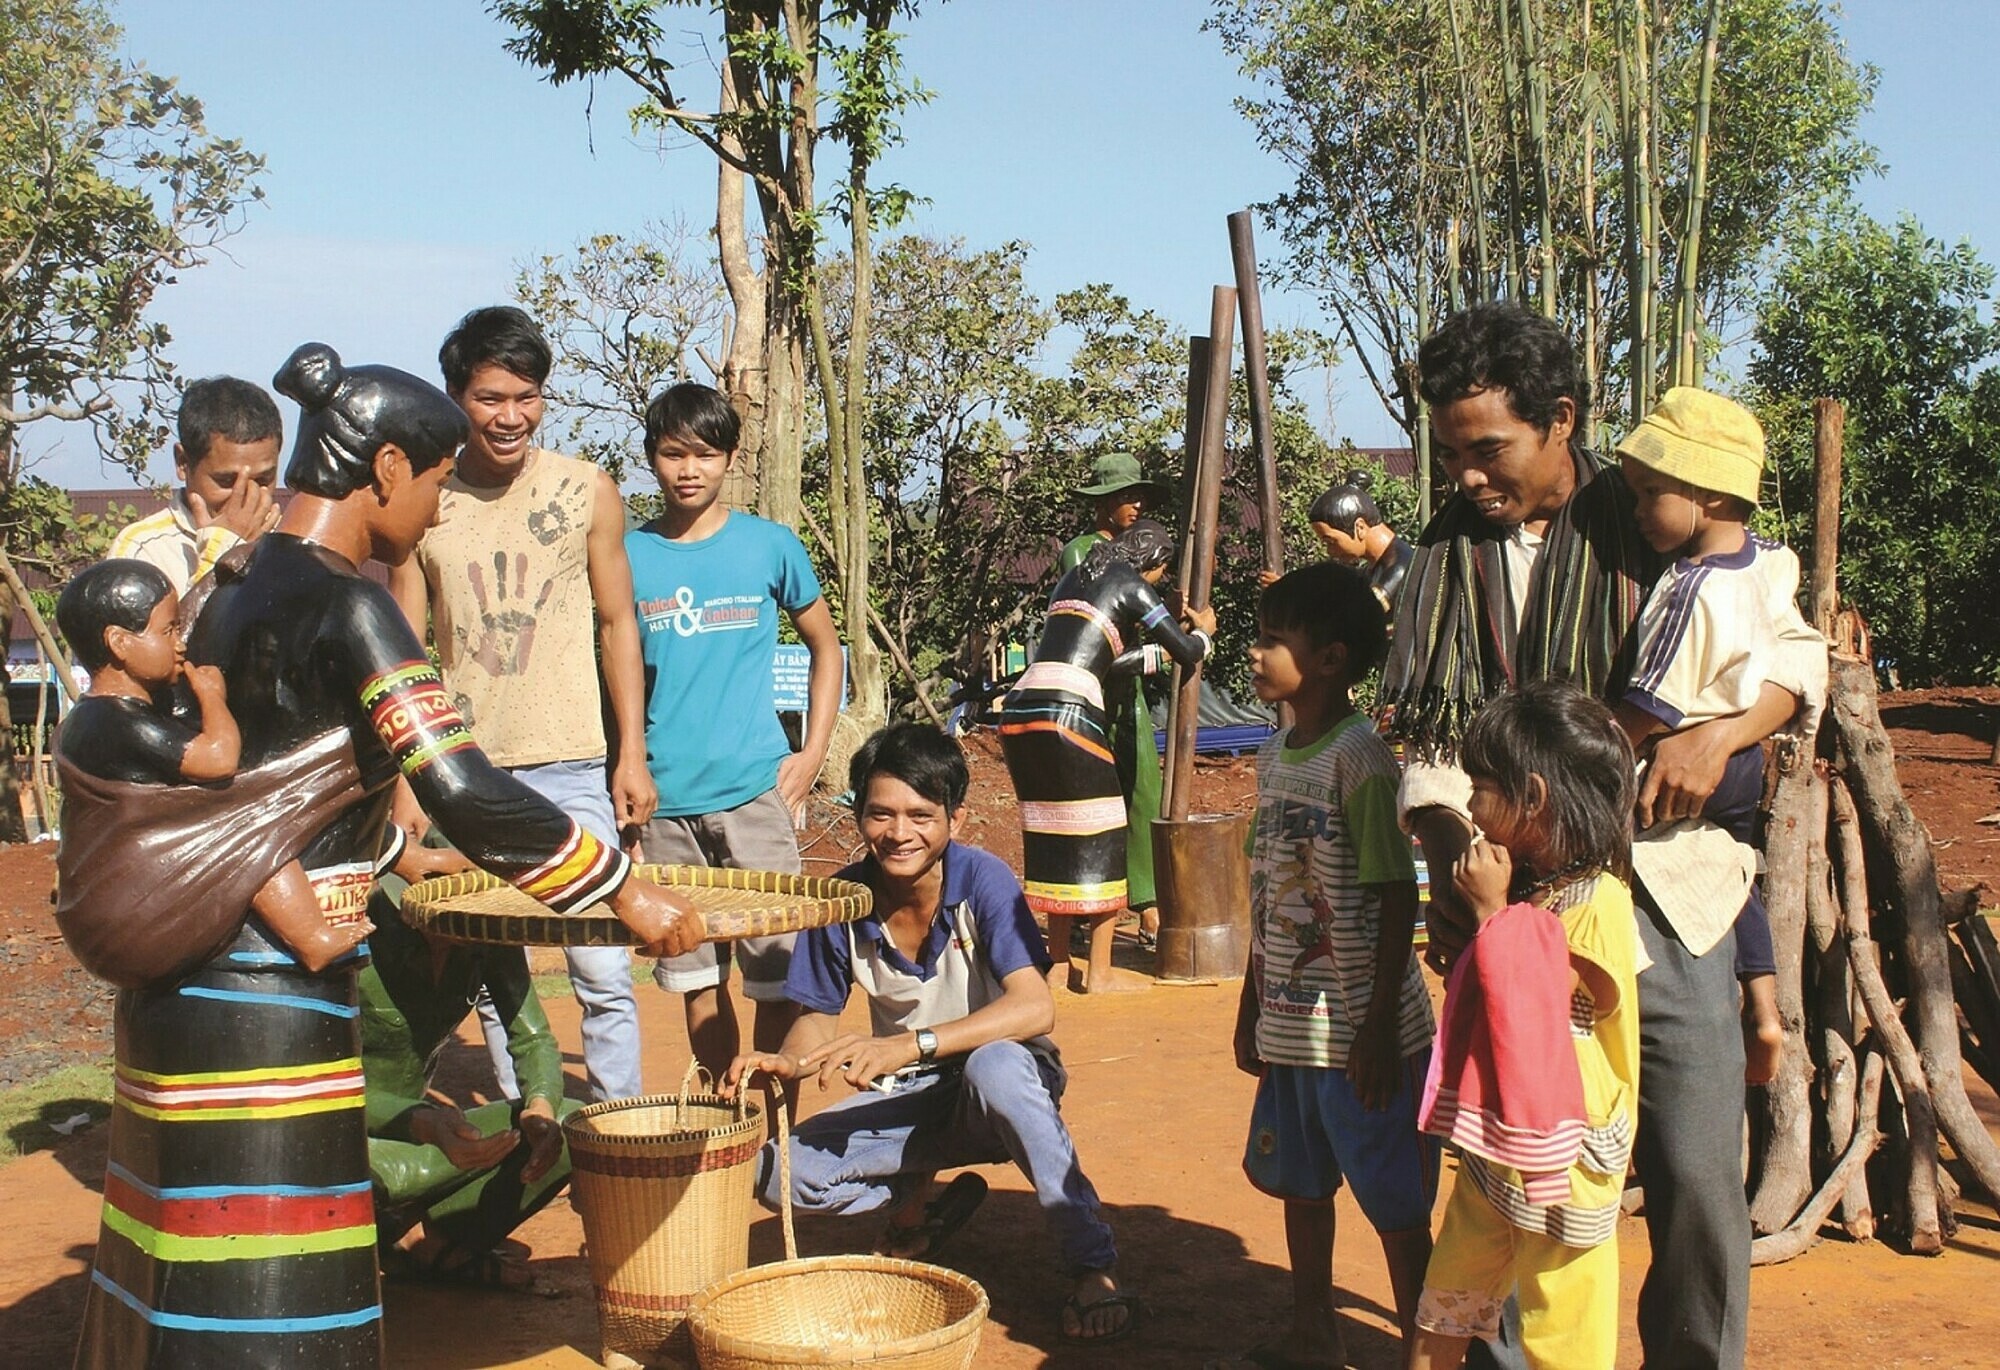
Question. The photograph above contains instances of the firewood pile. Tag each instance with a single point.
(1887, 985)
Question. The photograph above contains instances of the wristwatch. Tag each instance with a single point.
(926, 1047)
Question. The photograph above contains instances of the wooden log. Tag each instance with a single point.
(1919, 1192)
(1978, 1030)
(64, 673)
(1201, 533)
(1975, 974)
(1197, 397)
(1798, 1235)
(1257, 384)
(1829, 430)
(1784, 1174)
(1878, 797)
(1832, 1015)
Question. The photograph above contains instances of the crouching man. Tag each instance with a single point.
(958, 1069)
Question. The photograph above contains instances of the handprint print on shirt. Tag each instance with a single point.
(505, 634)
(549, 524)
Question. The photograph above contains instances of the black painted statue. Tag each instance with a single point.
(1106, 620)
(238, 1225)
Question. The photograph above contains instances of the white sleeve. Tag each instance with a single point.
(1433, 784)
(1687, 672)
(1798, 661)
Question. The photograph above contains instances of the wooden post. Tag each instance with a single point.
(41, 628)
(1257, 380)
(1829, 431)
(1197, 397)
(1201, 537)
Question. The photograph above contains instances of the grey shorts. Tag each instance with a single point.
(757, 835)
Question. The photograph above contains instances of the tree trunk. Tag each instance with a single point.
(779, 493)
(1919, 1118)
(1785, 1179)
(1833, 1016)
(1902, 839)
(745, 375)
(13, 825)
(1799, 1234)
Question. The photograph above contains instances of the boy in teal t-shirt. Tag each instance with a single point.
(709, 584)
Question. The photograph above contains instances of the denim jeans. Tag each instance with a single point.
(865, 1152)
(602, 976)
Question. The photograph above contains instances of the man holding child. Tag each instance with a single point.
(1538, 569)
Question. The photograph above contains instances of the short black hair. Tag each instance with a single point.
(1342, 505)
(918, 755)
(693, 410)
(348, 413)
(498, 335)
(1144, 545)
(228, 408)
(1502, 345)
(119, 593)
(1553, 729)
(1330, 603)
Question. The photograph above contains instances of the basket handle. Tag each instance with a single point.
(784, 1157)
(697, 1074)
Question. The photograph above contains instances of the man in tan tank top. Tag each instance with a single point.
(525, 587)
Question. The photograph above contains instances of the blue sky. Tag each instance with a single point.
(414, 163)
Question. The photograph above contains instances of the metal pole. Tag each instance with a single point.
(1207, 507)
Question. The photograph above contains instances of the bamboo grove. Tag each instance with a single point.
(1624, 166)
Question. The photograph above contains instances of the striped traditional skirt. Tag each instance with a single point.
(238, 1226)
(1058, 752)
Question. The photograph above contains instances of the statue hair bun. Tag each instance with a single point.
(1361, 478)
(311, 375)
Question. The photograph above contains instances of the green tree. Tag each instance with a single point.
(110, 186)
(1899, 326)
(794, 73)
(626, 316)
(1445, 151)
(951, 354)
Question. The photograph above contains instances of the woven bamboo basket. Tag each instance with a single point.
(836, 1310)
(664, 1186)
(476, 907)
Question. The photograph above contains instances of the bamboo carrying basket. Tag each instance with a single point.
(836, 1310)
(476, 907)
(664, 1186)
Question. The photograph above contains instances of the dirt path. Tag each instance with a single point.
(1158, 1113)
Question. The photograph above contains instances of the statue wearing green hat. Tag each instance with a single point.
(1121, 494)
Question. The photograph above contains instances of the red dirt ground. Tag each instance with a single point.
(1158, 1113)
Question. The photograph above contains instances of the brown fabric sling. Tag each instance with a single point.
(154, 880)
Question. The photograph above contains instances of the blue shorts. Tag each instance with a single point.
(1308, 1133)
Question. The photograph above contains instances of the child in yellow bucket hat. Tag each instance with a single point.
(1721, 623)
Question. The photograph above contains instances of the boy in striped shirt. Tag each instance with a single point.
(1334, 1020)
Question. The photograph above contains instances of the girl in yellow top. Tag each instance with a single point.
(1552, 794)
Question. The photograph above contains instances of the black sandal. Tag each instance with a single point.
(943, 1216)
(1075, 1306)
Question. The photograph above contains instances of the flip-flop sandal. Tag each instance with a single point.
(454, 1265)
(943, 1216)
(1129, 1302)
(1148, 941)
